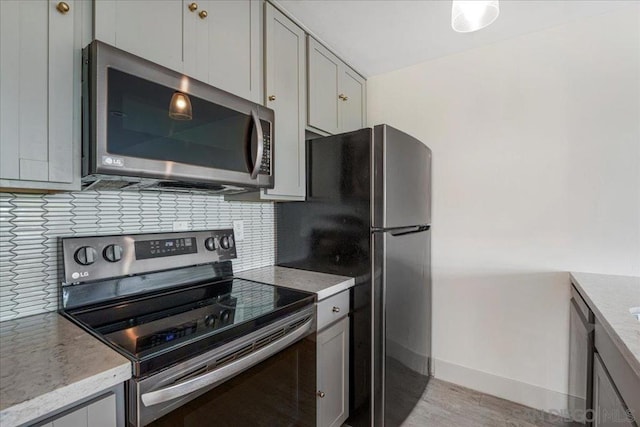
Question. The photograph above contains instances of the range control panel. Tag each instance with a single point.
(102, 257)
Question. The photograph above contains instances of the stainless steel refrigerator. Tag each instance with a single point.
(368, 215)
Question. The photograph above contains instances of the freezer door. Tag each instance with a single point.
(402, 179)
(405, 332)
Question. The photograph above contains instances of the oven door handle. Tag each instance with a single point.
(225, 372)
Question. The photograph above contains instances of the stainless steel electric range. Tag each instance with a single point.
(201, 342)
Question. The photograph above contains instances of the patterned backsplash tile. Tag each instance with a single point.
(30, 225)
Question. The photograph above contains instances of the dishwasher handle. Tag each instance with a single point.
(225, 372)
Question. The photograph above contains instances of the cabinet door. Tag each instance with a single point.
(608, 407)
(285, 94)
(101, 413)
(352, 97)
(228, 46)
(151, 29)
(39, 73)
(324, 72)
(333, 374)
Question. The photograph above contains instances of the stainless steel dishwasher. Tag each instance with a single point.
(580, 360)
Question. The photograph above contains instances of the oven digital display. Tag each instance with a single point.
(165, 247)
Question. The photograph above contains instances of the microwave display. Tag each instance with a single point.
(139, 126)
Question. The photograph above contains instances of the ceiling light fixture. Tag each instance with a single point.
(180, 107)
(472, 15)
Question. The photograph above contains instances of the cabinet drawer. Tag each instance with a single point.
(332, 309)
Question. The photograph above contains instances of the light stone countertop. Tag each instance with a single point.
(47, 363)
(610, 298)
(322, 284)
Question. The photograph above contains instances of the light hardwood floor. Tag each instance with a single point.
(443, 404)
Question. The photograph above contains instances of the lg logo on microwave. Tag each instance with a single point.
(113, 161)
(76, 275)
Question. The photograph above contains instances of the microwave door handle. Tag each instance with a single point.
(260, 134)
(224, 372)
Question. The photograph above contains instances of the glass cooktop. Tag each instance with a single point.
(206, 315)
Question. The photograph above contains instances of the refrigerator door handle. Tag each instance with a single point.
(401, 231)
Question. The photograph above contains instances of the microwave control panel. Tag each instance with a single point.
(265, 168)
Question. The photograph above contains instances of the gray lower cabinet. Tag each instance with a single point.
(336, 92)
(604, 390)
(40, 44)
(333, 367)
(581, 322)
(333, 374)
(616, 386)
(103, 411)
(609, 410)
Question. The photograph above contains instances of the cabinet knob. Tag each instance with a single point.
(321, 394)
(343, 97)
(193, 6)
(272, 97)
(63, 7)
(203, 14)
(336, 309)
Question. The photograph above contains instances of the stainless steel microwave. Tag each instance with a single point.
(149, 127)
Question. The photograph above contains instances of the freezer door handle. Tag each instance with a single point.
(400, 231)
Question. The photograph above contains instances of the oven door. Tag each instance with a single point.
(273, 385)
(148, 121)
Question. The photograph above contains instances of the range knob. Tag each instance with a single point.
(210, 320)
(86, 255)
(112, 253)
(224, 316)
(210, 244)
(224, 242)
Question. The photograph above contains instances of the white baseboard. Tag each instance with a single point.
(505, 388)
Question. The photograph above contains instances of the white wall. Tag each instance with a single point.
(536, 148)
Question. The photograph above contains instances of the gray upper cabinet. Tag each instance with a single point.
(215, 41)
(152, 29)
(285, 93)
(336, 92)
(39, 81)
(285, 78)
(352, 97)
(227, 46)
(324, 71)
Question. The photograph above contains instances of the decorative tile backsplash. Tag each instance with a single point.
(31, 224)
